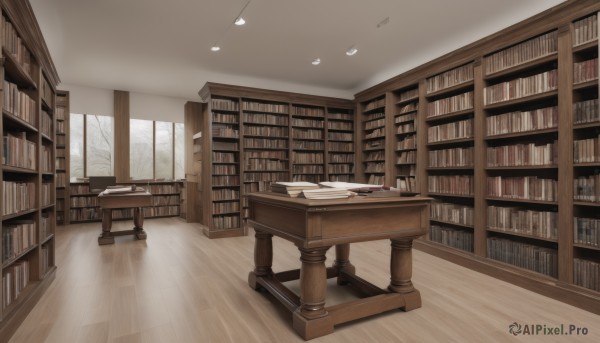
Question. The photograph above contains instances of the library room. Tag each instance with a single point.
(291, 171)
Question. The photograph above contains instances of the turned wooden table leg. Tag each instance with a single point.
(263, 257)
(401, 273)
(342, 262)
(138, 221)
(310, 319)
(106, 237)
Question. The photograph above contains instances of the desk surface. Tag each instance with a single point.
(125, 200)
(314, 223)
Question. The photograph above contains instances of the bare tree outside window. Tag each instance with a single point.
(100, 140)
(140, 152)
(179, 151)
(76, 145)
(163, 150)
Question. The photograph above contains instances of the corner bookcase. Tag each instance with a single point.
(28, 212)
(249, 138)
(62, 114)
(507, 139)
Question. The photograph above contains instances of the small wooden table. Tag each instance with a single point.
(108, 202)
(316, 225)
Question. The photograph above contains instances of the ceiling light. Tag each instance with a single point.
(239, 21)
(316, 61)
(352, 51)
(215, 48)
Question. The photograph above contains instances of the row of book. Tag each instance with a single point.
(17, 197)
(459, 239)
(531, 154)
(14, 279)
(587, 188)
(375, 124)
(307, 134)
(406, 128)
(585, 30)
(586, 274)
(340, 136)
(454, 130)
(268, 154)
(226, 180)
(311, 123)
(586, 150)
(300, 157)
(46, 124)
(407, 157)
(541, 224)
(272, 131)
(451, 184)
(340, 146)
(532, 257)
(264, 107)
(407, 142)
(225, 194)
(265, 119)
(224, 169)
(456, 103)
(84, 201)
(377, 133)
(522, 121)
(521, 87)
(267, 176)
(47, 190)
(340, 116)
(310, 145)
(168, 200)
(262, 164)
(224, 157)
(378, 155)
(587, 231)
(405, 117)
(340, 125)
(450, 78)
(341, 158)
(218, 117)
(373, 116)
(18, 151)
(224, 131)
(47, 162)
(452, 213)
(17, 236)
(371, 105)
(46, 259)
(374, 167)
(586, 111)
(226, 222)
(18, 103)
(15, 46)
(264, 143)
(308, 111)
(308, 169)
(340, 169)
(225, 207)
(585, 71)
(406, 183)
(376, 179)
(409, 94)
(60, 128)
(523, 187)
(526, 51)
(224, 104)
(341, 178)
(455, 157)
(60, 140)
(60, 113)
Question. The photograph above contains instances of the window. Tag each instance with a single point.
(140, 149)
(91, 147)
(76, 145)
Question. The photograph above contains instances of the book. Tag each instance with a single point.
(347, 185)
(326, 193)
(292, 189)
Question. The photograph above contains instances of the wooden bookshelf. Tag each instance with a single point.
(84, 206)
(282, 137)
(28, 165)
(62, 112)
(513, 110)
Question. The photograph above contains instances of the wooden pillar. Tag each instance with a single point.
(121, 106)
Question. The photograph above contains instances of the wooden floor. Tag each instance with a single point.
(179, 286)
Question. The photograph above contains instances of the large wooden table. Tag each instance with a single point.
(108, 202)
(316, 225)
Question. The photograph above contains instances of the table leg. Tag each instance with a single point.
(310, 319)
(106, 237)
(401, 273)
(138, 221)
(342, 262)
(263, 257)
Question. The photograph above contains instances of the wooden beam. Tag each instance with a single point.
(121, 106)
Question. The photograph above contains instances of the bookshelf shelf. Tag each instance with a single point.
(530, 201)
(450, 195)
(452, 115)
(550, 58)
(586, 46)
(449, 168)
(523, 134)
(585, 85)
(589, 204)
(587, 247)
(451, 223)
(11, 169)
(451, 90)
(503, 168)
(407, 101)
(47, 239)
(14, 121)
(16, 72)
(513, 233)
(451, 141)
(586, 125)
(523, 101)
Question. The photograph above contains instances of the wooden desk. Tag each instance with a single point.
(316, 225)
(136, 201)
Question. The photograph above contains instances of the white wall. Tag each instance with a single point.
(91, 100)
(156, 107)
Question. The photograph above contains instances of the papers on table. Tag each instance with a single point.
(347, 185)
(292, 189)
(123, 190)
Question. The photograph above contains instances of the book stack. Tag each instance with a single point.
(292, 189)
(326, 193)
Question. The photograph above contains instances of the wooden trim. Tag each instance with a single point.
(122, 141)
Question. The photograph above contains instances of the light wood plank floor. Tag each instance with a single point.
(179, 286)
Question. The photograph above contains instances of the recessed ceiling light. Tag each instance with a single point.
(240, 21)
(215, 48)
(316, 61)
(352, 51)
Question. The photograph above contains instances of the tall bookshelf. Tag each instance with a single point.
(281, 137)
(28, 152)
(62, 114)
(507, 147)
(372, 138)
(405, 114)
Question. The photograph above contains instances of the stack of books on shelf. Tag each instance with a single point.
(292, 189)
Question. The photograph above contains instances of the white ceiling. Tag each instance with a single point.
(163, 47)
